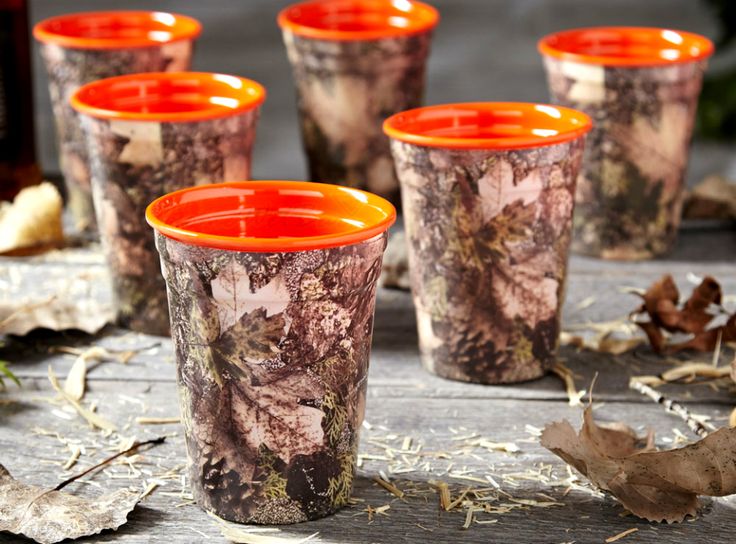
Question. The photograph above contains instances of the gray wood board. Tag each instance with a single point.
(436, 424)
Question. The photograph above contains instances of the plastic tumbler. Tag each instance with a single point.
(272, 289)
(356, 62)
(79, 48)
(147, 135)
(488, 193)
(641, 87)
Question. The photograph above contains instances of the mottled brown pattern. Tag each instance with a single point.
(345, 90)
(488, 235)
(631, 188)
(272, 355)
(132, 164)
(69, 69)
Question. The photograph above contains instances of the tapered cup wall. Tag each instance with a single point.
(488, 235)
(631, 190)
(345, 90)
(134, 162)
(70, 68)
(641, 86)
(272, 355)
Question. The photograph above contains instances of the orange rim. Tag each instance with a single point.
(168, 97)
(626, 46)
(488, 125)
(358, 19)
(116, 29)
(270, 216)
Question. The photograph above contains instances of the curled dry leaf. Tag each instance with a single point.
(49, 516)
(32, 220)
(61, 290)
(661, 305)
(654, 485)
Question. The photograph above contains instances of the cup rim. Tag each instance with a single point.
(655, 46)
(216, 96)
(416, 17)
(535, 125)
(364, 214)
(159, 28)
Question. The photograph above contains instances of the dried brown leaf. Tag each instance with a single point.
(655, 485)
(49, 516)
(661, 306)
(655, 336)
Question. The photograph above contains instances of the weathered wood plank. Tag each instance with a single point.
(395, 359)
(439, 425)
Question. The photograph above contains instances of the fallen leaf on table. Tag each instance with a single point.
(661, 305)
(49, 516)
(76, 381)
(67, 289)
(712, 198)
(32, 220)
(654, 485)
(93, 419)
(605, 343)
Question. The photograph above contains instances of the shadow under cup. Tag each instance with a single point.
(641, 86)
(272, 289)
(79, 48)
(488, 194)
(148, 135)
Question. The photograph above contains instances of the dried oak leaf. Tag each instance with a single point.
(661, 305)
(654, 485)
(49, 516)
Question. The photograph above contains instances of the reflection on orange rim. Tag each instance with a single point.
(345, 20)
(332, 215)
(488, 125)
(626, 46)
(116, 29)
(168, 96)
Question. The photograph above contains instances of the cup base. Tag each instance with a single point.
(622, 254)
(273, 512)
(449, 371)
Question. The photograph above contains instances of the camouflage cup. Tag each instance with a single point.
(272, 291)
(148, 135)
(641, 88)
(356, 62)
(488, 194)
(80, 48)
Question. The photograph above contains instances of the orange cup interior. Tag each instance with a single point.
(488, 125)
(626, 46)
(116, 29)
(358, 19)
(168, 96)
(270, 216)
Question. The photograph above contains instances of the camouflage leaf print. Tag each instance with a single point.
(272, 357)
(69, 69)
(345, 90)
(631, 188)
(488, 235)
(132, 164)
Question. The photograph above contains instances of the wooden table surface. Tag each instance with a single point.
(407, 408)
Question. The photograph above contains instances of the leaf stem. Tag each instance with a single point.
(134, 447)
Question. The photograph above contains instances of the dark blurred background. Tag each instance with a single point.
(483, 50)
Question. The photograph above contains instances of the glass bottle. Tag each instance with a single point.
(18, 167)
